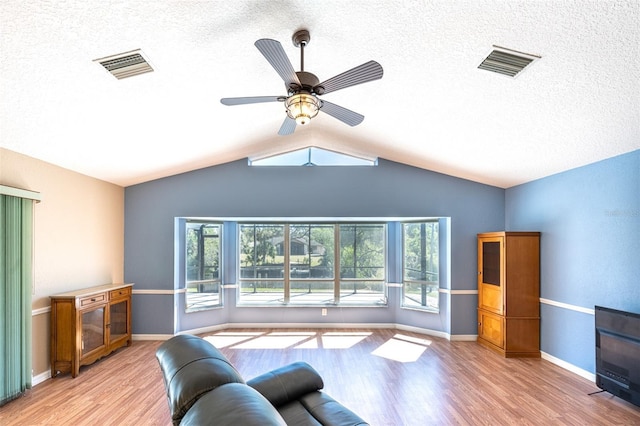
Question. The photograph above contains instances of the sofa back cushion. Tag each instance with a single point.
(192, 367)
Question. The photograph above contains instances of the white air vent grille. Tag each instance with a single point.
(506, 61)
(126, 64)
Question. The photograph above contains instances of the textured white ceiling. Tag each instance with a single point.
(433, 108)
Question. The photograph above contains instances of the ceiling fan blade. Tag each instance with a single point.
(250, 100)
(343, 114)
(275, 54)
(288, 126)
(368, 71)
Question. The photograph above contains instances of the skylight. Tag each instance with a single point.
(312, 156)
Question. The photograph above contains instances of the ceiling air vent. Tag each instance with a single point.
(506, 61)
(126, 64)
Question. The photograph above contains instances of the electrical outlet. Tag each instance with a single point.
(324, 312)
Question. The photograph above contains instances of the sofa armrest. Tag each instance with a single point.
(183, 349)
(329, 412)
(288, 383)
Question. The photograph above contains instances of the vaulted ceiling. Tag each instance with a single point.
(433, 108)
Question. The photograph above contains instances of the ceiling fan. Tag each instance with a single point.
(303, 88)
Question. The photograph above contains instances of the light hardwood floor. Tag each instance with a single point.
(388, 377)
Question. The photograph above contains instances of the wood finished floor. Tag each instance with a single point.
(388, 377)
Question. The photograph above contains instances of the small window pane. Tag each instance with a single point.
(362, 253)
(311, 251)
(313, 157)
(362, 264)
(421, 265)
(261, 263)
(203, 243)
(262, 251)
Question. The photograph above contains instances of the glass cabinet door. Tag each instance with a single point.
(490, 262)
(119, 324)
(92, 330)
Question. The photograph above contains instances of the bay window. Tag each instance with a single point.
(331, 262)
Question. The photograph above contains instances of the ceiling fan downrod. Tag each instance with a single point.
(309, 83)
(300, 39)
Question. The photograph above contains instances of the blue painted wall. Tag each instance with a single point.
(589, 218)
(237, 190)
(590, 248)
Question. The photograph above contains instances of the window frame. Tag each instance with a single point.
(392, 283)
(381, 298)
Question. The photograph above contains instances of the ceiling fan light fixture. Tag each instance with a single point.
(302, 107)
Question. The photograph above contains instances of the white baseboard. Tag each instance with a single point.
(567, 366)
(420, 330)
(312, 325)
(464, 337)
(151, 336)
(36, 380)
(208, 329)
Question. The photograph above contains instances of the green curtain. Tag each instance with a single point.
(16, 223)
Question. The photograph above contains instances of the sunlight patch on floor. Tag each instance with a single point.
(224, 339)
(275, 340)
(338, 340)
(334, 340)
(286, 339)
(402, 348)
(417, 340)
(309, 344)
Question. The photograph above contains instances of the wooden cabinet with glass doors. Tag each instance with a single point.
(89, 324)
(509, 292)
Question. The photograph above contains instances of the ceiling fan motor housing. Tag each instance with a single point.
(309, 83)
